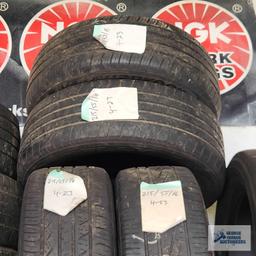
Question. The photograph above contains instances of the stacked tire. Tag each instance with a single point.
(237, 204)
(9, 195)
(179, 106)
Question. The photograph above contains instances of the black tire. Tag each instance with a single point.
(174, 128)
(87, 230)
(9, 212)
(188, 238)
(9, 142)
(7, 252)
(172, 57)
(237, 206)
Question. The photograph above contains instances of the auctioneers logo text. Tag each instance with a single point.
(229, 238)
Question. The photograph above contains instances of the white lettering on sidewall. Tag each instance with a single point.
(202, 32)
(19, 111)
(48, 31)
(154, 241)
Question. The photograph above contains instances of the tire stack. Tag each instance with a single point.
(9, 195)
(179, 106)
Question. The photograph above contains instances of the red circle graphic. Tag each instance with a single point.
(52, 20)
(221, 33)
(5, 44)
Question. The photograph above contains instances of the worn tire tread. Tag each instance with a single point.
(87, 230)
(188, 238)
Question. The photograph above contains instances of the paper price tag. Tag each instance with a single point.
(162, 206)
(122, 37)
(63, 192)
(110, 104)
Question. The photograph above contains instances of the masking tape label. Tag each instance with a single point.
(162, 206)
(110, 104)
(122, 37)
(63, 192)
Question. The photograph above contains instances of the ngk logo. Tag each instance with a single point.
(51, 20)
(220, 32)
(201, 32)
(47, 32)
(5, 44)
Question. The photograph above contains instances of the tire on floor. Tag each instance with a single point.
(188, 238)
(87, 230)
(237, 204)
(7, 252)
(9, 212)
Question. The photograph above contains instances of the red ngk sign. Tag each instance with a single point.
(220, 32)
(5, 44)
(51, 20)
